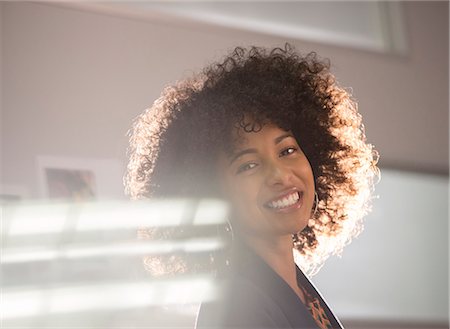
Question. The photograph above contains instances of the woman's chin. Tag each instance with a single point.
(300, 227)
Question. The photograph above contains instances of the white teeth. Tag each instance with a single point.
(292, 198)
(285, 202)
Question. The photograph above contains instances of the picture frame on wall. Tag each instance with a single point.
(79, 179)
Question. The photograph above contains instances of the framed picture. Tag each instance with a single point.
(79, 179)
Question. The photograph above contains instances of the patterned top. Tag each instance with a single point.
(255, 296)
(316, 310)
(316, 305)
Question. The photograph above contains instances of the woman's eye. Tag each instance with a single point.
(288, 151)
(246, 167)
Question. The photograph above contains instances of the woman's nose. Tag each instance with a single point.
(277, 174)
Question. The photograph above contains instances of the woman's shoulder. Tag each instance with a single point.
(242, 304)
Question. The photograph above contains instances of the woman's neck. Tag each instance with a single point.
(278, 254)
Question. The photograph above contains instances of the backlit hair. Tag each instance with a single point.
(175, 143)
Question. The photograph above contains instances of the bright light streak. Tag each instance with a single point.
(113, 215)
(22, 303)
(110, 296)
(20, 255)
(132, 215)
(57, 232)
(35, 219)
(211, 212)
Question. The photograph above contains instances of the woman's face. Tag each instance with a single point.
(268, 181)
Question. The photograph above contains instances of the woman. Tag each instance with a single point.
(272, 133)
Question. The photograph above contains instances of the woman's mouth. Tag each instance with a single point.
(288, 201)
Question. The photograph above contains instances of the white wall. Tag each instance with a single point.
(397, 269)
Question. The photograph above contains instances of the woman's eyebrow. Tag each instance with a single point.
(280, 138)
(235, 156)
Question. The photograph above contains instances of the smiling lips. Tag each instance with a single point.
(288, 201)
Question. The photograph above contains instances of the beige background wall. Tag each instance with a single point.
(73, 81)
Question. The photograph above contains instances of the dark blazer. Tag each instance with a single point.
(255, 296)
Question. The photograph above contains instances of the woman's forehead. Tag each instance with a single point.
(241, 136)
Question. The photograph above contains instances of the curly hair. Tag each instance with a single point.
(175, 143)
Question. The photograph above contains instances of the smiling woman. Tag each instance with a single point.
(270, 184)
(270, 132)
